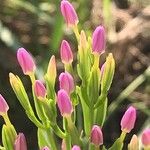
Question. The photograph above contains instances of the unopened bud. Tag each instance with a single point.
(39, 89)
(134, 143)
(66, 53)
(146, 138)
(3, 105)
(128, 120)
(26, 61)
(98, 40)
(20, 143)
(64, 103)
(69, 13)
(75, 147)
(66, 82)
(96, 136)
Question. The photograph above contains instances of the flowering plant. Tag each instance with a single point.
(90, 96)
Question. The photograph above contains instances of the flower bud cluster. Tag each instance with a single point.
(83, 104)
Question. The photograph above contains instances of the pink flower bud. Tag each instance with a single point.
(66, 53)
(20, 143)
(66, 82)
(128, 120)
(98, 40)
(96, 136)
(26, 61)
(146, 138)
(64, 103)
(39, 89)
(69, 13)
(3, 105)
(45, 148)
(75, 147)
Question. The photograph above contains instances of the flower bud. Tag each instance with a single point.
(96, 136)
(134, 143)
(107, 72)
(26, 61)
(66, 53)
(64, 103)
(69, 13)
(19, 90)
(3, 105)
(20, 143)
(83, 41)
(128, 120)
(146, 138)
(51, 70)
(98, 40)
(45, 148)
(66, 82)
(39, 89)
(75, 147)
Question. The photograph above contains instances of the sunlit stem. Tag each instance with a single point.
(73, 131)
(97, 148)
(123, 135)
(58, 131)
(96, 61)
(68, 68)
(67, 138)
(6, 119)
(76, 32)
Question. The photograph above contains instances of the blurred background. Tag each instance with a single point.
(38, 26)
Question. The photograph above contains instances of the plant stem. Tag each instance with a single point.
(123, 135)
(76, 32)
(73, 131)
(6, 119)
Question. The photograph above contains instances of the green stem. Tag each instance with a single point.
(73, 131)
(6, 119)
(85, 110)
(52, 141)
(58, 131)
(8, 123)
(76, 32)
(68, 68)
(123, 135)
(91, 146)
(68, 142)
(33, 118)
(96, 61)
(91, 117)
(97, 148)
(67, 138)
